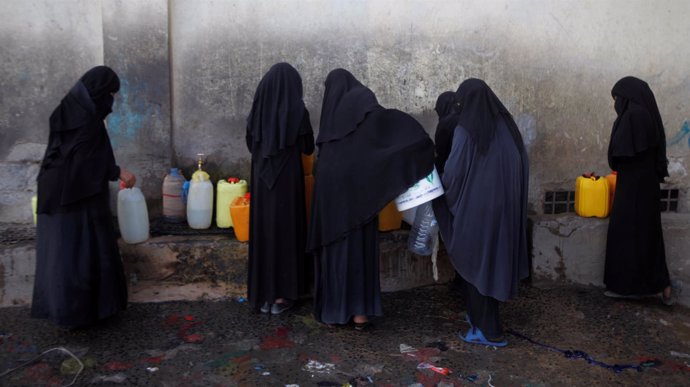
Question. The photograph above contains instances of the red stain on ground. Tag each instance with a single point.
(194, 338)
(154, 360)
(278, 340)
(171, 320)
(117, 366)
(40, 374)
(186, 327)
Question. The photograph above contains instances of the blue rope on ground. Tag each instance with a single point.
(576, 354)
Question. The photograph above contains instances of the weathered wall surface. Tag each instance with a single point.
(135, 42)
(572, 249)
(44, 48)
(552, 63)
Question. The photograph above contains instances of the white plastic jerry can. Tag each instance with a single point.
(200, 201)
(132, 215)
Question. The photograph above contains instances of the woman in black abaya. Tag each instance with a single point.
(278, 131)
(368, 155)
(483, 215)
(79, 274)
(635, 257)
(447, 119)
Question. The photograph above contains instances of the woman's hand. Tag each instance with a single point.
(127, 178)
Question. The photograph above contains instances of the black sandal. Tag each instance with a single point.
(363, 326)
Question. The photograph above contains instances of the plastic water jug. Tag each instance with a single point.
(424, 230)
(227, 191)
(34, 205)
(308, 167)
(174, 210)
(200, 201)
(307, 164)
(239, 211)
(592, 196)
(132, 215)
(389, 218)
(611, 179)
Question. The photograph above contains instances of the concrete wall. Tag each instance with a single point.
(552, 63)
(135, 42)
(572, 249)
(44, 48)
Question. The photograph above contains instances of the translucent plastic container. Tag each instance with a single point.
(132, 215)
(174, 207)
(239, 211)
(423, 231)
(200, 201)
(226, 192)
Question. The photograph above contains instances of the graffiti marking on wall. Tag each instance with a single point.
(131, 113)
(684, 130)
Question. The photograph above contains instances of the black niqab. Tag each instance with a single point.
(79, 158)
(480, 110)
(445, 104)
(276, 120)
(447, 120)
(338, 83)
(383, 152)
(638, 126)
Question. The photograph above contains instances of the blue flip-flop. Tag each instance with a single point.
(475, 336)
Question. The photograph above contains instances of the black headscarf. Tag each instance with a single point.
(480, 111)
(447, 120)
(375, 155)
(79, 159)
(638, 126)
(277, 118)
(445, 104)
(338, 83)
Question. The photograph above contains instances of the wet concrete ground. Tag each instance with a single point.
(227, 344)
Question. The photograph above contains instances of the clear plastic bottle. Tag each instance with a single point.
(423, 231)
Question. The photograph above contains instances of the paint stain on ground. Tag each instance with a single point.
(278, 340)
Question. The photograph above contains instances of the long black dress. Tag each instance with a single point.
(367, 156)
(483, 215)
(79, 274)
(635, 256)
(278, 131)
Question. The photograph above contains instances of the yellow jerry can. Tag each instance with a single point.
(611, 179)
(226, 192)
(592, 196)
